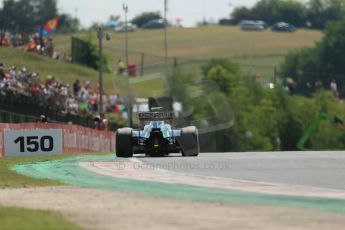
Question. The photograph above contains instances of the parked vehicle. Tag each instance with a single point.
(130, 28)
(252, 25)
(263, 23)
(154, 24)
(283, 27)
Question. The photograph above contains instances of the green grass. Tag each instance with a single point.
(203, 42)
(11, 179)
(156, 83)
(18, 218)
(254, 47)
(263, 66)
(25, 219)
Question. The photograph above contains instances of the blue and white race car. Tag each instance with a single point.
(157, 137)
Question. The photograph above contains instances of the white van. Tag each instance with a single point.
(252, 25)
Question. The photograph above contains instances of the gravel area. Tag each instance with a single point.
(108, 209)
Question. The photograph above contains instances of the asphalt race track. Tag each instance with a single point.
(315, 169)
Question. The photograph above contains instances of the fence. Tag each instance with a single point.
(147, 64)
(23, 108)
(75, 139)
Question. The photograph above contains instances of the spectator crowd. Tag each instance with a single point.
(11, 40)
(80, 99)
(32, 43)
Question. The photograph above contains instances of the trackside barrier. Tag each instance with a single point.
(75, 139)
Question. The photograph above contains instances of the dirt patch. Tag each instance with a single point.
(106, 209)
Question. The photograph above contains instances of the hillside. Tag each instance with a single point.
(205, 42)
(45, 66)
(255, 51)
(68, 72)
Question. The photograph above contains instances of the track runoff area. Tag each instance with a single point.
(309, 180)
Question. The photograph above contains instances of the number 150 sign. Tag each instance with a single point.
(33, 142)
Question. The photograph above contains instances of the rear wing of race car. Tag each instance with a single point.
(156, 116)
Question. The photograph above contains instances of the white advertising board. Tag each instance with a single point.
(32, 142)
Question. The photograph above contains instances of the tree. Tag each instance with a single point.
(272, 11)
(95, 25)
(85, 52)
(68, 24)
(325, 61)
(146, 17)
(178, 81)
(242, 13)
(224, 79)
(320, 12)
(293, 12)
(315, 13)
(223, 72)
(229, 66)
(26, 15)
(261, 119)
(267, 10)
(29, 15)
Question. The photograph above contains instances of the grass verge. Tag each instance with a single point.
(19, 218)
(11, 179)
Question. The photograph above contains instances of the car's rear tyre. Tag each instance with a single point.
(124, 147)
(189, 141)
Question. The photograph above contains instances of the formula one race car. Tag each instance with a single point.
(157, 137)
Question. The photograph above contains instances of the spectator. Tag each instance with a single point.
(334, 88)
(76, 87)
(56, 94)
(32, 46)
(94, 102)
(291, 84)
(318, 85)
(46, 95)
(100, 122)
(121, 67)
(35, 89)
(49, 47)
(3, 40)
(2, 71)
(49, 80)
(43, 119)
(72, 105)
(13, 71)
